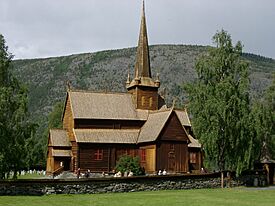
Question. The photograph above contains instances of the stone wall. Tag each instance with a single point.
(108, 185)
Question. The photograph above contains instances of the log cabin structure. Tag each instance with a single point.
(98, 128)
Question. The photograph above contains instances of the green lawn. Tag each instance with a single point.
(209, 197)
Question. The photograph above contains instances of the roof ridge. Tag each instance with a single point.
(58, 129)
(159, 111)
(105, 129)
(97, 92)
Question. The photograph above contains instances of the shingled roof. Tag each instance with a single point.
(92, 105)
(62, 153)
(183, 117)
(193, 142)
(148, 133)
(58, 138)
(124, 136)
(153, 126)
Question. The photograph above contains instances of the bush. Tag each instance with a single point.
(128, 163)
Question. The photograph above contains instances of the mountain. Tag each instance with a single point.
(107, 71)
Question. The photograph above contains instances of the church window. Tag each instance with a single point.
(143, 155)
(150, 101)
(98, 154)
(142, 100)
(172, 147)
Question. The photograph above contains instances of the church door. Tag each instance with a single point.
(172, 159)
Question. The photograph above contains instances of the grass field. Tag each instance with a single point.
(209, 197)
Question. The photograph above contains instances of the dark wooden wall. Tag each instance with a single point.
(172, 147)
(87, 160)
(111, 154)
(173, 130)
(172, 156)
(198, 165)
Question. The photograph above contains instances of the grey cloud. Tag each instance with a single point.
(53, 28)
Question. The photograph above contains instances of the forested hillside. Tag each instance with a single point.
(107, 71)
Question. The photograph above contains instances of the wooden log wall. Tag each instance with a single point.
(172, 156)
(145, 97)
(174, 130)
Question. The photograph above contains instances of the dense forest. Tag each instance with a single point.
(107, 71)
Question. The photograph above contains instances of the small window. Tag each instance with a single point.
(142, 100)
(143, 155)
(172, 147)
(150, 101)
(98, 154)
(193, 157)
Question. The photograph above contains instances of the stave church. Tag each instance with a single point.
(98, 128)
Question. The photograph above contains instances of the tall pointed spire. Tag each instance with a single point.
(143, 76)
(142, 66)
(143, 88)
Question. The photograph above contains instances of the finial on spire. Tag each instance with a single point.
(157, 82)
(174, 102)
(128, 78)
(157, 77)
(68, 85)
(143, 8)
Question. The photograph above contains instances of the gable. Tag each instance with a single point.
(173, 130)
(153, 126)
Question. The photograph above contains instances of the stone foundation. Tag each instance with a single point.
(112, 185)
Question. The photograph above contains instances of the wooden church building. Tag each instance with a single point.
(98, 128)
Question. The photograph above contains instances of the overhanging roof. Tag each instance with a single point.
(116, 136)
(193, 142)
(61, 153)
(183, 117)
(59, 138)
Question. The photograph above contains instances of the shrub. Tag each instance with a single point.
(128, 163)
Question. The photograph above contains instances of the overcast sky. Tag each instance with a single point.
(45, 28)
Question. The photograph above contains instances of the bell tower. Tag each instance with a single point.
(143, 88)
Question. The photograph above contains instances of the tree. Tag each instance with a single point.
(264, 121)
(37, 156)
(15, 129)
(220, 106)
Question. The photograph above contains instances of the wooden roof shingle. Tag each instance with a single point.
(92, 105)
(183, 117)
(62, 153)
(153, 126)
(193, 142)
(59, 138)
(123, 136)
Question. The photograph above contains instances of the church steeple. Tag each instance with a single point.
(142, 66)
(143, 88)
(143, 76)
